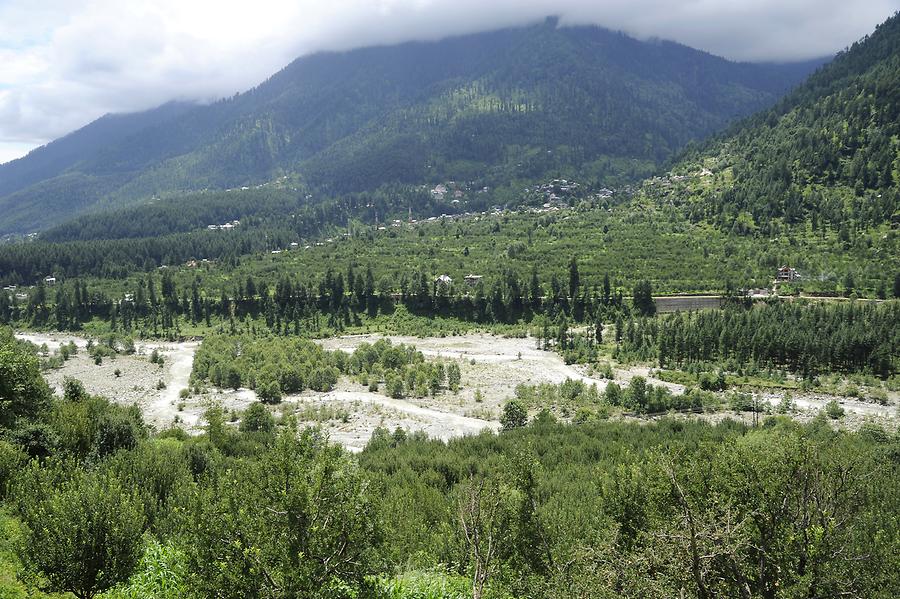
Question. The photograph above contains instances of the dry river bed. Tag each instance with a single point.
(491, 369)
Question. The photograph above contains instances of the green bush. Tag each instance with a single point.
(119, 428)
(257, 418)
(324, 378)
(73, 390)
(23, 391)
(83, 534)
(11, 459)
(314, 535)
(741, 402)
(454, 377)
(161, 574)
(423, 585)
(710, 381)
(269, 391)
(514, 415)
(834, 410)
(393, 385)
(786, 405)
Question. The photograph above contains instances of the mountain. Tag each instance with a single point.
(826, 156)
(515, 104)
(64, 153)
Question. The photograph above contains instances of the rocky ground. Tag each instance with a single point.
(491, 369)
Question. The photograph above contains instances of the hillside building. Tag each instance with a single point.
(786, 274)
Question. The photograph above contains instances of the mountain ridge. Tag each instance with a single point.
(514, 104)
(828, 152)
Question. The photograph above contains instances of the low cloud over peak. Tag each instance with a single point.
(70, 61)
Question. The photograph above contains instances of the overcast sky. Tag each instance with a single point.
(64, 63)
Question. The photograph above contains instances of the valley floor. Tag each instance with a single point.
(491, 368)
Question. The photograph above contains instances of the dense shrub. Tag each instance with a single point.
(257, 418)
(276, 366)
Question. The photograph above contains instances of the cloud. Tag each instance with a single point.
(68, 62)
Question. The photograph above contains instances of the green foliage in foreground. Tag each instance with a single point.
(11, 587)
(160, 574)
(84, 532)
(541, 510)
(599, 509)
(670, 509)
(298, 522)
(23, 392)
(426, 585)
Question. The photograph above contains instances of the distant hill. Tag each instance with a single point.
(515, 104)
(827, 155)
(66, 152)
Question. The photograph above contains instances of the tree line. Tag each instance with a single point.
(292, 306)
(807, 338)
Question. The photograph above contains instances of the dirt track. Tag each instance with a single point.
(139, 378)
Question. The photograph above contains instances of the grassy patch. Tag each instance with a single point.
(428, 585)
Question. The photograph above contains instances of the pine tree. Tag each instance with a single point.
(574, 278)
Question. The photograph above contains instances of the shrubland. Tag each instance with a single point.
(542, 509)
(283, 365)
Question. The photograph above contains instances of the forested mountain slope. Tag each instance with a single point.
(58, 156)
(827, 155)
(512, 104)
